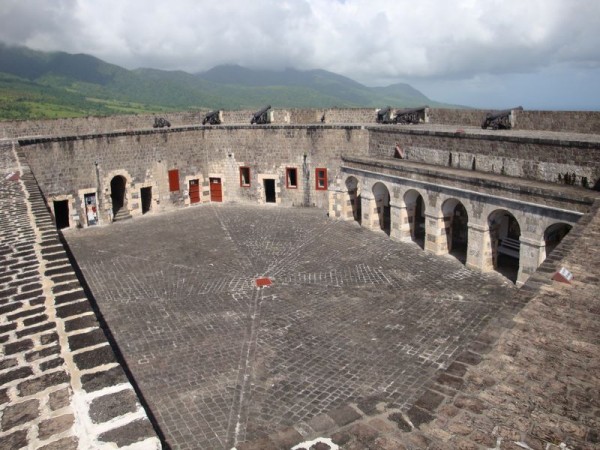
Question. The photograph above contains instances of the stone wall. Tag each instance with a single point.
(527, 157)
(573, 121)
(565, 121)
(458, 117)
(68, 167)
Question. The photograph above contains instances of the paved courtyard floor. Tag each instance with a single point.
(350, 316)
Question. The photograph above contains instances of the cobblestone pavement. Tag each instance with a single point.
(351, 316)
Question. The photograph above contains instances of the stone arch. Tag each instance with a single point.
(415, 216)
(456, 221)
(117, 193)
(381, 196)
(554, 234)
(505, 243)
(118, 188)
(353, 199)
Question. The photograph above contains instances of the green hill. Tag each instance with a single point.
(48, 85)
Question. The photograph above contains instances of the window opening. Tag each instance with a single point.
(245, 176)
(291, 178)
(321, 179)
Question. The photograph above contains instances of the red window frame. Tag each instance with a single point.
(174, 180)
(321, 179)
(289, 170)
(245, 169)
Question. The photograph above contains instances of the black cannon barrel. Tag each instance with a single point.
(212, 117)
(499, 119)
(411, 110)
(410, 116)
(256, 118)
(262, 111)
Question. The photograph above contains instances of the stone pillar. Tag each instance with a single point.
(435, 234)
(531, 255)
(406, 220)
(370, 218)
(335, 203)
(479, 250)
(397, 215)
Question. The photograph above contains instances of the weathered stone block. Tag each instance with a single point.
(59, 399)
(20, 373)
(93, 358)
(344, 415)
(68, 443)
(107, 407)
(36, 385)
(56, 425)
(20, 413)
(79, 341)
(136, 431)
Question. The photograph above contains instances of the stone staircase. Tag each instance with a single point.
(122, 214)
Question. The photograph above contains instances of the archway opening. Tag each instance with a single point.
(415, 210)
(354, 198)
(117, 193)
(382, 202)
(456, 224)
(554, 234)
(505, 234)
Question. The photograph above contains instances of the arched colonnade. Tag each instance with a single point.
(484, 235)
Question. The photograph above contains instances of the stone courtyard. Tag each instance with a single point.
(351, 317)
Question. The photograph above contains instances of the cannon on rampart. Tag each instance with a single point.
(212, 118)
(261, 117)
(161, 122)
(385, 115)
(410, 116)
(499, 120)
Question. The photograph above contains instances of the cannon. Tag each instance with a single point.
(212, 118)
(261, 117)
(411, 116)
(499, 120)
(385, 115)
(160, 122)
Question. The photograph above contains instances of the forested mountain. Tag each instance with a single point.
(37, 84)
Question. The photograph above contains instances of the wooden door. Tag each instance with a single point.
(194, 191)
(216, 193)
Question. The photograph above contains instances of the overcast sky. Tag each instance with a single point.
(541, 54)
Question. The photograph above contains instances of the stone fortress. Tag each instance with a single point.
(497, 200)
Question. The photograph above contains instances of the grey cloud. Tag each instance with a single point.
(375, 41)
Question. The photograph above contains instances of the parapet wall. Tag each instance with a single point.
(565, 121)
(543, 159)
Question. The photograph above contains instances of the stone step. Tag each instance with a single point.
(122, 214)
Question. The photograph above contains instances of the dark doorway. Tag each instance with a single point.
(270, 196)
(420, 221)
(146, 194)
(505, 233)
(194, 191)
(216, 193)
(457, 231)
(117, 193)
(61, 214)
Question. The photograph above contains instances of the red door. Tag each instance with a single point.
(194, 191)
(216, 194)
